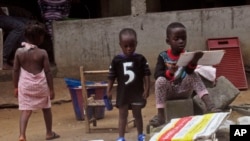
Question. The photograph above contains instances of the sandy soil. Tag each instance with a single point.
(64, 119)
(70, 129)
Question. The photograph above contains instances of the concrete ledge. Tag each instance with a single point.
(6, 75)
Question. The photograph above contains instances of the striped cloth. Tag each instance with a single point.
(54, 10)
(192, 128)
(33, 91)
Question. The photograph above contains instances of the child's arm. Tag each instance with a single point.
(16, 72)
(48, 74)
(193, 63)
(146, 87)
(111, 78)
(110, 86)
(160, 68)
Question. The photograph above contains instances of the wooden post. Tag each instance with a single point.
(85, 101)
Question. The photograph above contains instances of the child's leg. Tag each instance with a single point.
(202, 92)
(47, 115)
(24, 118)
(198, 85)
(123, 115)
(136, 110)
(193, 82)
(190, 83)
(161, 87)
(165, 90)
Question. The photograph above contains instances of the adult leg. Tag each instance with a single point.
(23, 122)
(123, 116)
(15, 29)
(47, 115)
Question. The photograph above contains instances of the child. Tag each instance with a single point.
(169, 84)
(133, 76)
(33, 80)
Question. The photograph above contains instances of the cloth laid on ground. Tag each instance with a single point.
(191, 128)
(33, 91)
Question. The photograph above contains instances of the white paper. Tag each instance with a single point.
(209, 58)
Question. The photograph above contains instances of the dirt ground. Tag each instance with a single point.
(65, 123)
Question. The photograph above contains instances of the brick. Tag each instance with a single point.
(179, 108)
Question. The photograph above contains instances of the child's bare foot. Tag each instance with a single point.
(53, 136)
(22, 139)
(156, 121)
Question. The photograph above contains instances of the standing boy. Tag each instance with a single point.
(33, 80)
(133, 76)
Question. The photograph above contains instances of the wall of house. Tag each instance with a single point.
(115, 8)
(94, 42)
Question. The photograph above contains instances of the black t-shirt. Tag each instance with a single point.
(129, 72)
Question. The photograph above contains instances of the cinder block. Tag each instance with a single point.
(179, 108)
(223, 94)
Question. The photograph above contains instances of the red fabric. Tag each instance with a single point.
(172, 56)
(190, 66)
(169, 75)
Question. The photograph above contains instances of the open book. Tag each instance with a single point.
(209, 58)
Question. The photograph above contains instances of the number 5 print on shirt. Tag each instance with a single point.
(130, 73)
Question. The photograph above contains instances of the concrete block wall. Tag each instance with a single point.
(138, 7)
(94, 42)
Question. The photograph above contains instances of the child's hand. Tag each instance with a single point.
(196, 57)
(145, 94)
(16, 92)
(52, 94)
(172, 67)
(109, 95)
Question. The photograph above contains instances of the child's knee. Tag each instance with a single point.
(161, 81)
